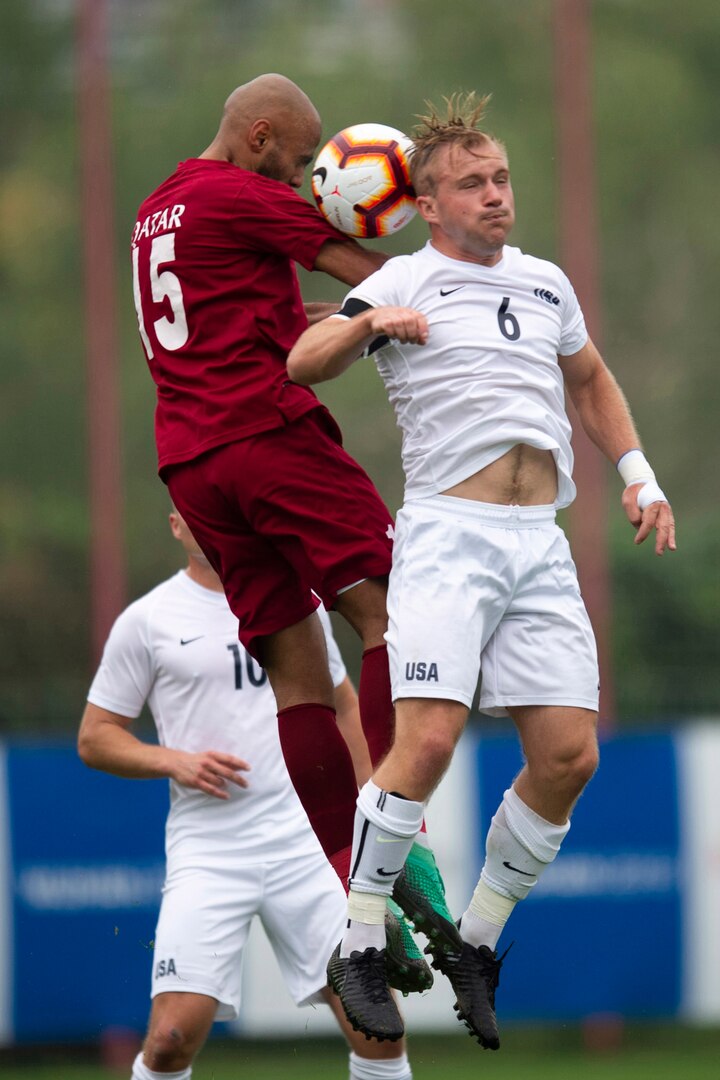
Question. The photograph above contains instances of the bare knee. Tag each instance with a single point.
(297, 665)
(434, 749)
(177, 1030)
(169, 1047)
(571, 767)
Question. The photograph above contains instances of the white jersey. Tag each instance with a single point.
(177, 648)
(488, 378)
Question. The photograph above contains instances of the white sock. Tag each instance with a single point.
(140, 1071)
(366, 923)
(520, 845)
(385, 828)
(369, 1069)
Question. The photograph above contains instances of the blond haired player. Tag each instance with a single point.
(477, 344)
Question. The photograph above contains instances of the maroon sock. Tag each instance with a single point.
(340, 863)
(375, 699)
(322, 774)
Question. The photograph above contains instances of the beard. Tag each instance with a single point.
(271, 167)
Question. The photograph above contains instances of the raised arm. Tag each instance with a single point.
(605, 416)
(328, 348)
(105, 742)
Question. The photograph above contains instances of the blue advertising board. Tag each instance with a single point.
(87, 863)
(613, 926)
(602, 930)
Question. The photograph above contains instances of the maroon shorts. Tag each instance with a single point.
(281, 515)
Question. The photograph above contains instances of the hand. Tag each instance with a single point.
(657, 515)
(209, 771)
(400, 323)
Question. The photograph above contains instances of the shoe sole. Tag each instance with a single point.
(355, 1023)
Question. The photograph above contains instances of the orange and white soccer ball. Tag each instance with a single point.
(361, 180)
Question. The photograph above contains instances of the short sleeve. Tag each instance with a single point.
(573, 333)
(271, 217)
(380, 289)
(125, 676)
(338, 670)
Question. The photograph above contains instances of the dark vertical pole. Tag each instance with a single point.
(107, 553)
(579, 258)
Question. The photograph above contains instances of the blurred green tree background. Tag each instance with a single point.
(656, 85)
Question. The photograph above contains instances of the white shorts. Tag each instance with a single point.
(205, 920)
(482, 588)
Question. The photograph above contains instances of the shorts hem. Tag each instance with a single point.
(439, 692)
(250, 639)
(313, 998)
(361, 571)
(497, 708)
(225, 1009)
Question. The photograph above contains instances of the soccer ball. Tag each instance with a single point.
(361, 181)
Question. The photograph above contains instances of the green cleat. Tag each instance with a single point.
(406, 967)
(420, 892)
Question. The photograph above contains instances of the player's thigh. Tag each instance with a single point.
(304, 912)
(202, 931)
(364, 605)
(543, 651)
(179, 1023)
(448, 590)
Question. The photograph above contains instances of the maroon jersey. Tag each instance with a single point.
(219, 305)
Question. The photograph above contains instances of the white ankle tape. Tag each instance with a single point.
(368, 908)
(489, 905)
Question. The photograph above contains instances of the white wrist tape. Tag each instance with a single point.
(634, 468)
(650, 493)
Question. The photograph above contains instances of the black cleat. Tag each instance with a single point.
(361, 984)
(474, 974)
(406, 968)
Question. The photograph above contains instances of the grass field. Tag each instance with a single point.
(651, 1053)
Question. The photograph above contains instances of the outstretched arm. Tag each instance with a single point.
(105, 742)
(328, 348)
(348, 261)
(605, 416)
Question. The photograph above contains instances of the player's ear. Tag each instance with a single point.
(258, 136)
(426, 208)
